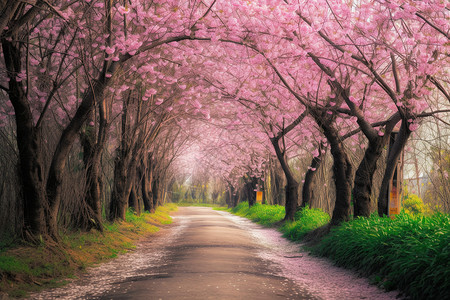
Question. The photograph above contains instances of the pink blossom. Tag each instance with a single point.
(151, 91)
(123, 10)
(110, 50)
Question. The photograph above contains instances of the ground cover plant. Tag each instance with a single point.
(26, 268)
(263, 214)
(305, 220)
(410, 253)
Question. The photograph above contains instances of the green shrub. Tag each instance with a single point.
(410, 253)
(413, 205)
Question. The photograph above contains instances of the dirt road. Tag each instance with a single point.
(208, 254)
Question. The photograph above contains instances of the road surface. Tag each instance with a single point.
(209, 254)
(212, 258)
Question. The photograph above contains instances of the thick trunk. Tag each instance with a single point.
(29, 139)
(124, 177)
(92, 161)
(155, 192)
(278, 192)
(131, 181)
(291, 203)
(308, 185)
(249, 188)
(229, 196)
(362, 189)
(145, 188)
(291, 200)
(342, 170)
(233, 197)
(94, 192)
(133, 201)
(119, 200)
(364, 178)
(391, 164)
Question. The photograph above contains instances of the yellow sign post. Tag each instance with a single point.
(259, 197)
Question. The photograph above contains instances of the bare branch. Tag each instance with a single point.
(395, 72)
(440, 87)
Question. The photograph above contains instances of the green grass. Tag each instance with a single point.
(409, 253)
(26, 268)
(306, 220)
(263, 214)
(10, 264)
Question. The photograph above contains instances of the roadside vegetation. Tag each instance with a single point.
(410, 253)
(29, 268)
(305, 220)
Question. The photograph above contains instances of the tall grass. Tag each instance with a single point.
(410, 253)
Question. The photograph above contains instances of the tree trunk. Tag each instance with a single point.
(362, 189)
(145, 188)
(155, 192)
(229, 196)
(68, 137)
(278, 192)
(364, 177)
(391, 164)
(93, 146)
(118, 205)
(291, 200)
(291, 184)
(92, 160)
(249, 187)
(29, 139)
(342, 170)
(133, 201)
(308, 185)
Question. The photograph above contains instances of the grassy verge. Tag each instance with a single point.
(410, 253)
(25, 269)
(271, 215)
